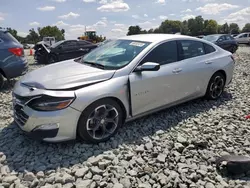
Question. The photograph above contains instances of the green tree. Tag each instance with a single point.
(13, 32)
(199, 24)
(224, 29)
(170, 26)
(196, 26)
(246, 28)
(184, 28)
(151, 31)
(51, 31)
(134, 30)
(219, 29)
(211, 27)
(234, 28)
(157, 30)
(32, 37)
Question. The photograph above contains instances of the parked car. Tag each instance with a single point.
(243, 38)
(63, 50)
(119, 81)
(13, 62)
(225, 41)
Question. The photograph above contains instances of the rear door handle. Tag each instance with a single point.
(208, 62)
(177, 70)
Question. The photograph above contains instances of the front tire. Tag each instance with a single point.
(100, 121)
(216, 86)
(52, 59)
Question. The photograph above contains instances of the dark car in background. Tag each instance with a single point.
(13, 62)
(62, 50)
(225, 41)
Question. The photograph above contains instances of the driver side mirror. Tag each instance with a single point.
(148, 66)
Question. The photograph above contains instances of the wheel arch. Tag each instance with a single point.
(117, 100)
(2, 72)
(223, 73)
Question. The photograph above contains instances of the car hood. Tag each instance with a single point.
(65, 75)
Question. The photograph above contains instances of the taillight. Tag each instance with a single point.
(16, 51)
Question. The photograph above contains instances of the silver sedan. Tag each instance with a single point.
(93, 96)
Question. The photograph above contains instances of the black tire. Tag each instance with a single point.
(52, 59)
(233, 49)
(1, 81)
(87, 116)
(215, 86)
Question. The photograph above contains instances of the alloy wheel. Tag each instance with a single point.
(102, 122)
(217, 87)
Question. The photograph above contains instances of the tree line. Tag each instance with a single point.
(193, 27)
(33, 37)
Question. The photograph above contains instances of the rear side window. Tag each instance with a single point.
(208, 48)
(189, 49)
(163, 54)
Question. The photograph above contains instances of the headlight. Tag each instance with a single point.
(46, 103)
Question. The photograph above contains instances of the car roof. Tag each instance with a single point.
(155, 37)
(217, 35)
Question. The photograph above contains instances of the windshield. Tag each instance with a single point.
(57, 44)
(115, 54)
(211, 38)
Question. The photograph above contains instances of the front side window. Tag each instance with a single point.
(115, 54)
(163, 54)
(189, 49)
(244, 36)
(69, 45)
(221, 39)
(228, 37)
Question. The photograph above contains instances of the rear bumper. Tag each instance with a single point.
(16, 69)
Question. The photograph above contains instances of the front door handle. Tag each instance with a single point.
(177, 70)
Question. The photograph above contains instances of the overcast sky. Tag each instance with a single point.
(112, 17)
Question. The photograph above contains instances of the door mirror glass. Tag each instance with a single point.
(148, 66)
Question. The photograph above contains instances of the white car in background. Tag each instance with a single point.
(243, 38)
(119, 81)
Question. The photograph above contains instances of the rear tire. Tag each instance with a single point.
(1, 81)
(100, 121)
(215, 86)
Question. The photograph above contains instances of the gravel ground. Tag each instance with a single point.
(173, 148)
